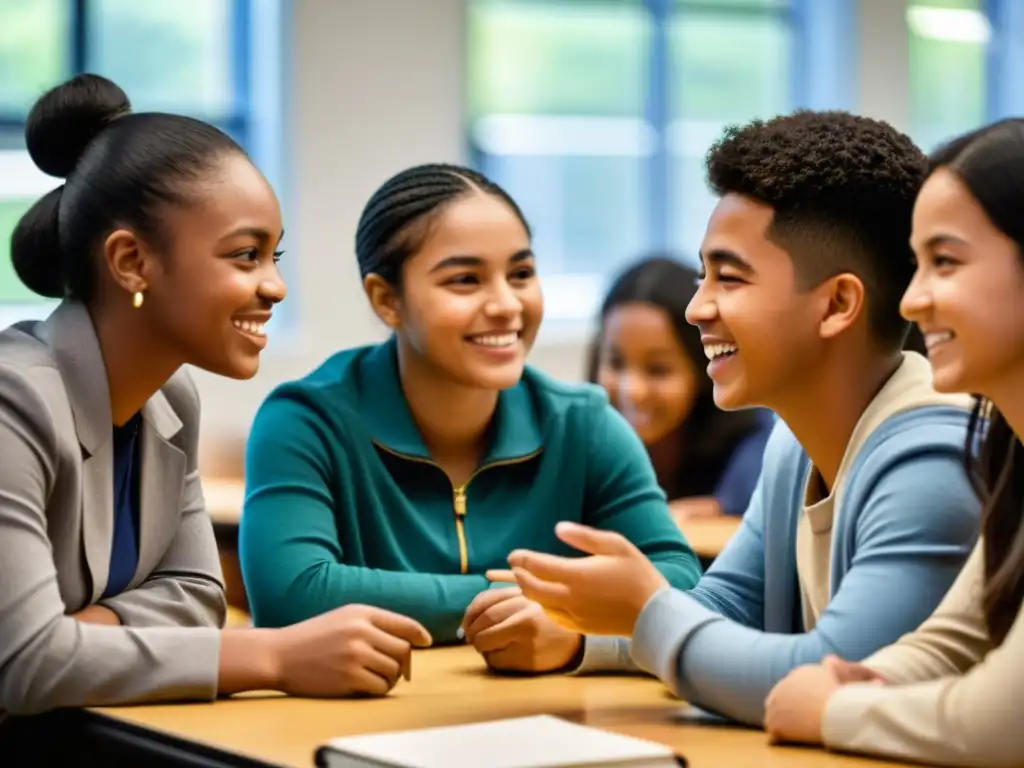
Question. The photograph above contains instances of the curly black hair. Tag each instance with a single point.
(842, 188)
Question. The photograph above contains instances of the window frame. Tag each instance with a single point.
(1004, 55)
(256, 119)
(237, 123)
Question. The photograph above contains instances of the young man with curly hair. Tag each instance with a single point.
(863, 514)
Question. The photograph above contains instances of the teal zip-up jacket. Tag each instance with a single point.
(345, 505)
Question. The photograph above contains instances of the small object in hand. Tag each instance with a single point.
(460, 633)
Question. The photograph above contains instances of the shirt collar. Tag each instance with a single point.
(516, 431)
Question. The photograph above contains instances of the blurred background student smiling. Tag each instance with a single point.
(653, 365)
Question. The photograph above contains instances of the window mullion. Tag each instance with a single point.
(658, 108)
(78, 44)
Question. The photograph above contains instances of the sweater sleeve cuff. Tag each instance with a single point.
(605, 654)
(844, 714)
(666, 622)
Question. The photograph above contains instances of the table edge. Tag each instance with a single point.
(156, 742)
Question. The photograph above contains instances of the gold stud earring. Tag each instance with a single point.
(137, 299)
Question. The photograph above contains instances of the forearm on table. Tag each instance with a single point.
(438, 601)
(249, 661)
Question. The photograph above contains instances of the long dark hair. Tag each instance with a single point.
(990, 163)
(709, 435)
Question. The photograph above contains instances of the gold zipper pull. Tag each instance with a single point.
(459, 502)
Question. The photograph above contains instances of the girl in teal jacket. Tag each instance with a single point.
(397, 474)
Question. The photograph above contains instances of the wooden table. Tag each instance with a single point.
(449, 686)
(709, 535)
(224, 499)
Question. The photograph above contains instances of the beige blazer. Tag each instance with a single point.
(56, 529)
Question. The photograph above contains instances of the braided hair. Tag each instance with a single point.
(398, 216)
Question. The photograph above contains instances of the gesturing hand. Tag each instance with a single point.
(602, 594)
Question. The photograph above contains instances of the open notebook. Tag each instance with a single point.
(541, 741)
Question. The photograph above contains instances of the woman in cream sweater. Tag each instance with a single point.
(949, 693)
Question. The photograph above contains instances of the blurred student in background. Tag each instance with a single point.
(652, 363)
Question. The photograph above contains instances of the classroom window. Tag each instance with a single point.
(947, 46)
(557, 110)
(713, 87)
(966, 57)
(170, 56)
(596, 115)
(192, 57)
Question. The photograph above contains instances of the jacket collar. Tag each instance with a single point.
(70, 332)
(385, 411)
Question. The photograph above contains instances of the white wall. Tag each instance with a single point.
(378, 86)
(883, 70)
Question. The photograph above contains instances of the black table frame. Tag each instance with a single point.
(83, 737)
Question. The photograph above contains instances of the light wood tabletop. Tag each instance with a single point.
(451, 686)
(709, 535)
(224, 499)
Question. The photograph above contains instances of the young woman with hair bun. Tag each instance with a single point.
(162, 246)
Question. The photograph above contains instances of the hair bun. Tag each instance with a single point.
(68, 117)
